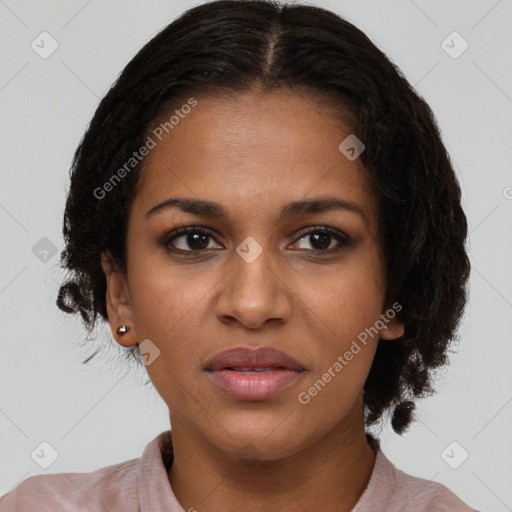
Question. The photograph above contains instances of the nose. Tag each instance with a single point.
(254, 292)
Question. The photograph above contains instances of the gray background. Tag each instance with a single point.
(102, 415)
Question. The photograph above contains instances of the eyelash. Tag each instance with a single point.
(343, 239)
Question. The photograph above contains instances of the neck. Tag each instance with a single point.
(330, 474)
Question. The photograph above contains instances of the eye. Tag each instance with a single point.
(320, 237)
(194, 237)
(197, 239)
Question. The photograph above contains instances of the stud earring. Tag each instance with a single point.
(123, 329)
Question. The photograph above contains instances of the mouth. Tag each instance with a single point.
(253, 375)
(247, 359)
(253, 369)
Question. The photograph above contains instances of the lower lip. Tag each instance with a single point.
(253, 386)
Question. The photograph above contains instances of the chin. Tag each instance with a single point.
(266, 443)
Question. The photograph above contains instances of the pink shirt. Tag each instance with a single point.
(142, 485)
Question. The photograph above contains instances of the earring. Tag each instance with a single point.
(123, 329)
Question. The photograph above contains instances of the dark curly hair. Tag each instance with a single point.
(233, 46)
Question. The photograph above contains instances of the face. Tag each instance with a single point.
(305, 281)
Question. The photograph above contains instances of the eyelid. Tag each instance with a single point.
(325, 229)
(183, 230)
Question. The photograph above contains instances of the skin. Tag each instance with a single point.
(253, 153)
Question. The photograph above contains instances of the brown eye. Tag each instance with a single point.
(321, 239)
(196, 239)
(188, 239)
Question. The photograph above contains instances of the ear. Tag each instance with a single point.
(394, 328)
(118, 301)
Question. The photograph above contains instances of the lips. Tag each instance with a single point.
(256, 360)
(253, 375)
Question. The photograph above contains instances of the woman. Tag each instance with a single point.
(264, 212)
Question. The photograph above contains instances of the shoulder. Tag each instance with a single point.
(421, 495)
(391, 490)
(93, 491)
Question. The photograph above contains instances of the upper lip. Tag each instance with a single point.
(262, 357)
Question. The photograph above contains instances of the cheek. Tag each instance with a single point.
(162, 296)
(343, 359)
(163, 309)
(348, 307)
(348, 303)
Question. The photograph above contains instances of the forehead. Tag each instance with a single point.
(252, 150)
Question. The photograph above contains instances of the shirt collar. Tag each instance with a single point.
(156, 494)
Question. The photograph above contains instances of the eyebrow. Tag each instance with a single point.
(215, 210)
